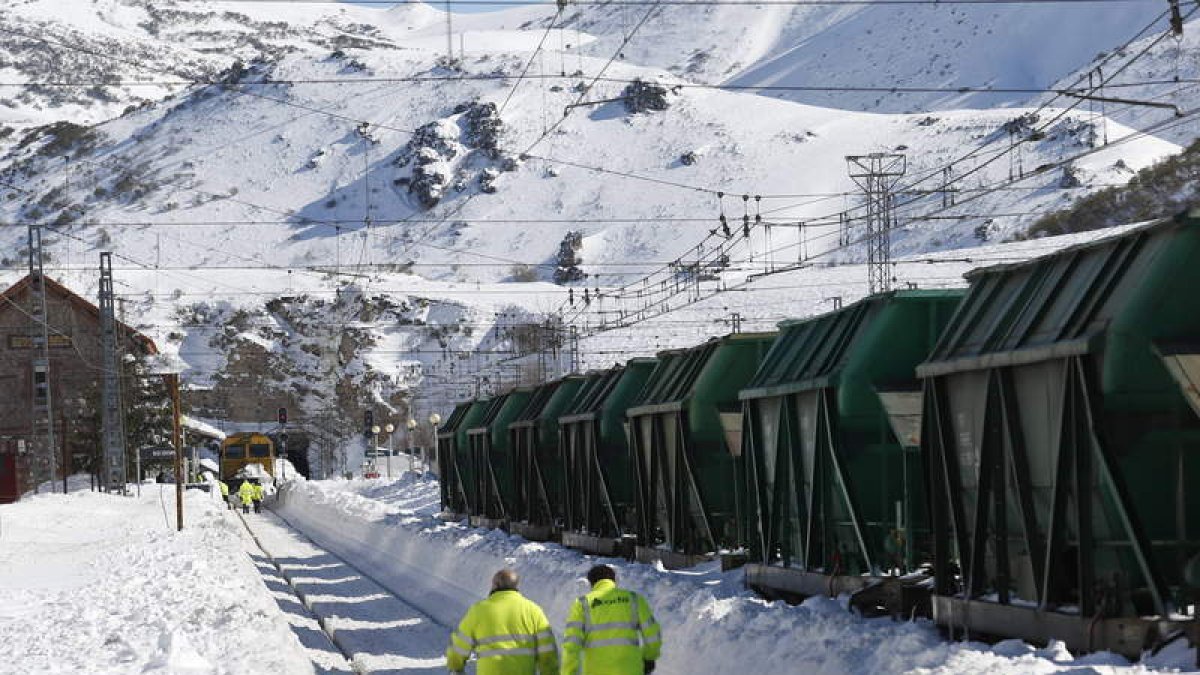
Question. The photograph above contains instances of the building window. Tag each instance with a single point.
(41, 386)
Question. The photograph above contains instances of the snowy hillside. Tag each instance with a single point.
(294, 171)
(130, 52)
(343, 215)
(883, 46)
(1164, 75)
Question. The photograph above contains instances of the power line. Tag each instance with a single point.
(743, 3)
(584, 91)
(721, 249)
(306, 223)
(504, 77)
(534, 55)
(241, 88)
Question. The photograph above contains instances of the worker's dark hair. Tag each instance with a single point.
(601, 572)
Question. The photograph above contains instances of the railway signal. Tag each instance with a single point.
(282, 415)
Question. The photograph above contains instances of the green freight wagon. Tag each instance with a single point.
(454, 459)
(685, 467)
(599, 510)
(492, 459)
(1063, 440)
(834, 498)
(540, 480)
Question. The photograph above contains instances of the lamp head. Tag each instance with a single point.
(375, 428)
(389, 427)
(411, 424)
(435, 419)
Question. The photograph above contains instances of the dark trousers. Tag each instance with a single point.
(258, 506)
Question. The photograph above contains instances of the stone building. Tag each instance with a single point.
(76, 364)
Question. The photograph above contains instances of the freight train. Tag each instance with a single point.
(1018, 458)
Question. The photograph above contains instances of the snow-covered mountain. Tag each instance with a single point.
(332, 144)
(855, 45)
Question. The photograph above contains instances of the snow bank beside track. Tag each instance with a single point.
(711, 624)
(97, 583)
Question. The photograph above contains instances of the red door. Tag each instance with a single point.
(10, 489)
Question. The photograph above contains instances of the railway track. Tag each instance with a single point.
(373, 630)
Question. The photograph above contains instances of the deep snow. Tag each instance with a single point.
(97, 583)
(711, 624)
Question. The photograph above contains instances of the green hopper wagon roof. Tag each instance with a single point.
(537, 402)
(456, 417)
(814, 352)
(494, 406)
(1064, 304)
(597, 388)
(674, 378)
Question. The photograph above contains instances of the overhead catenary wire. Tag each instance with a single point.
(748, 3)
(584, 91)
(351, 80)
(528, 64)
(978, 167)
(625, 322)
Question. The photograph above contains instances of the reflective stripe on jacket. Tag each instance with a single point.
(610, 631)
(508, 633)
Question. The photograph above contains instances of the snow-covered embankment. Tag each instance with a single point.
(712, 625)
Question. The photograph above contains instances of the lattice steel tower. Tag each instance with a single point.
(876, 175)
(41, 420)
(114, 477)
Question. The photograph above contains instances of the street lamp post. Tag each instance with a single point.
(374, 449)
(412, 428)
(434, 420)
(389, 428)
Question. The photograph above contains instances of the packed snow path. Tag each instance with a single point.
(325, 655)
(371, 626)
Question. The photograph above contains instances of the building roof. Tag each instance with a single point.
(79, 302)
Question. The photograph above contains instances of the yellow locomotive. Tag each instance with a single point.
(241, 451)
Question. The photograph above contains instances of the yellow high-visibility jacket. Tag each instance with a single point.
(246, 492)
(258, 493)
(610, 631)
(509, 633)
(224, 488)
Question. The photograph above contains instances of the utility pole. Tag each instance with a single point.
(1176, 18)
(574, 337)
(42, 412)
(876, 175)
(947, 190)
(449, 38)
(114, 478)
(177, 443)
